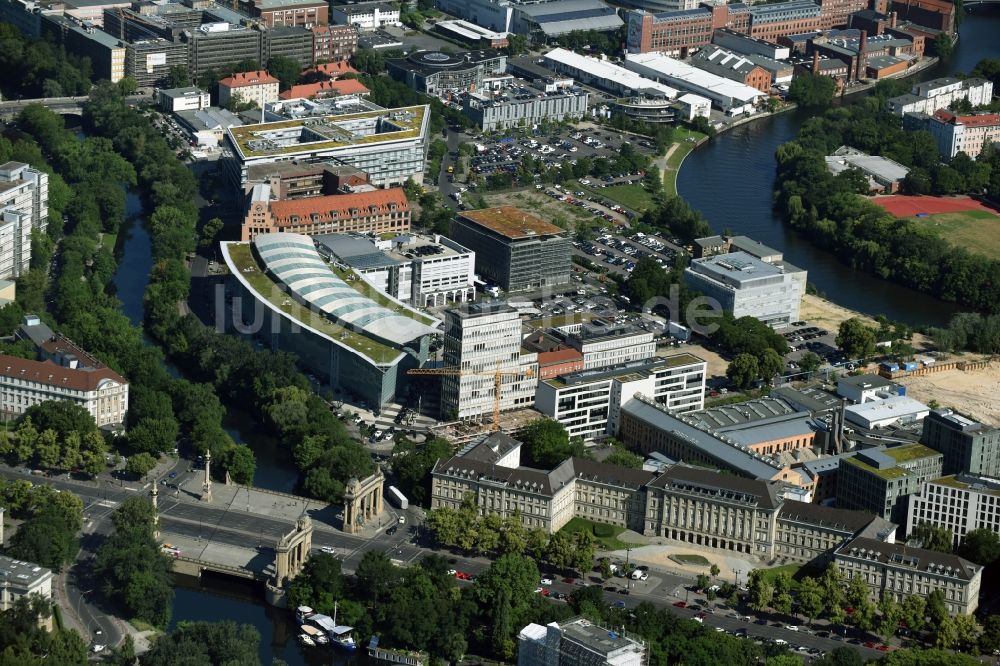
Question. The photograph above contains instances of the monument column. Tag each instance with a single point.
(206, 494)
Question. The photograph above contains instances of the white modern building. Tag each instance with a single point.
(960, 503)
(24, 383)
(390, 145)
(577, 642)
(483, 339)
(258, 87)
(730, 96)
(605, 343)
(425, 271)
(491, 14)
(865, 388)
(24, 206)
(21, 579)
(365, 15)
(886, 412)
(694, 106)
(603, 74)
(929, 96)
(190, 98)
(746, 286)
(588, 403)
(495, 110)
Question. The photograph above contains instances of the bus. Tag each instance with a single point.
(398, 498)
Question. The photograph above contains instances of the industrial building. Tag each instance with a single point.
(718, 61)
(365, 15)
(471, 34)
(24, 208)
(425, 271)
(542, 21)
(771, 21)
(729, 96)
(607, 76)
(884, 175)
(679, 33)
(929, 96)
(894, 410)
(390, 145)
(442, 74)
(879, 480)
(482, 339)
(514, 248)
(866, 388)
(744, 44)
(958, 503)
(524, 105)
(588, 403)
(339, 327)
(746, 286)
(968, 446)
(578, 642)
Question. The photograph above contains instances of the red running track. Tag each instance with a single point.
(909, 206)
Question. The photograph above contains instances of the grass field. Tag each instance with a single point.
(611, 542)
(634, 197)
(686, 140)
(691, 560)
(977, 231)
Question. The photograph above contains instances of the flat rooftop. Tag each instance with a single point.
(21, 574)
(637, 368)
(300, 135)
(877, 410)
(735, 268)
(979, 484)
(600, 640)
(510, 222)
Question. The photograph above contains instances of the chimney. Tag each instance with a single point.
(892, 20)
(862, 46)
(815, 64)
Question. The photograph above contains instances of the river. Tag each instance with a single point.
(743, 159)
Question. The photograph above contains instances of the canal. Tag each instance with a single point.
(743, 159)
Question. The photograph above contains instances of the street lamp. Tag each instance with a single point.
(737, 572)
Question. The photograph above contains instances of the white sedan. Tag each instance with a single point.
(545, 581)
(328, 550)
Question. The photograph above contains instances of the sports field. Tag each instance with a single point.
(908, 206)
(977, 231)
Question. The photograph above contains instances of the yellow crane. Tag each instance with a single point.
(497, 375)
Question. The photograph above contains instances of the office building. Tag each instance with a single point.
(866, 388)
(325, 89)
(541, 22)
(106, 53)
(879, 480)
(149, 61)
(606, 76)
(284, 294)
(207, 127)
(605, 343)
(588, 403)
(577, 642)
(901, 571)
(679, 33)
(259, 88)
(823, 474)
(771, 21)
(25, 383)
(365, 15)
(371, 211)
(809, 533)
(443, 74)
(523, 106)
(968, 134)
(190, 98)
(22, 579)
(425, 271)
(514, 248)
(958, 503)
(482, 339)
(929, 96)
(694, 106)
(91, 11)
(26, 15)
(884, 175)
(490, 14)
(718, 61)
(333, 43)
(967, 446)
(304, 13)
(390, 145)
(746, 286)
(24, 207)
(730, 96)
(836, 13)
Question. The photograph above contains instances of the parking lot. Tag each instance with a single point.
(619, 253)
(803, 338)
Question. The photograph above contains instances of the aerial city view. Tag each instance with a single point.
(485, 332)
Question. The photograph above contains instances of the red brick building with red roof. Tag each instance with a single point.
(377, 211)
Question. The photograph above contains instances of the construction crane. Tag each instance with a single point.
(497, 375)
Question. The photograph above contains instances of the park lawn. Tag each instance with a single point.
(796, 571)
(632, 196)
(685, 141)
(977, 231)
(606, 542)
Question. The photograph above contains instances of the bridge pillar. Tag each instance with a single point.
(291, 553)
(363, 502)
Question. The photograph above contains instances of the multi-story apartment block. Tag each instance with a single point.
(879, 480)
(376, 211)
(963, 134)
(967, 446)
(333, 43)
(588, 403)
(902, 571)
(24, 383)
(959, 502)
(304, 13)
(515, 248)
(809, 532)
(577, 642)
(929, 96)
(258, 87)
(747, 286)
(481, 339)
(365, 15)
(24, 207)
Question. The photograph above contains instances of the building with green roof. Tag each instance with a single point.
(880, 480)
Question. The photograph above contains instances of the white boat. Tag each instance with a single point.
(305, 639)
(303, 613)
(318, 636)
(341, 635)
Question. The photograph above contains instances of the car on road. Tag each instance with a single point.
(700, 618)
(619, 604)
(172, 475)
(761, 621)
(680, 604)
(98, 647)
(792, 627)
(452, 572)
(545, 581)
(780, 641)
(610, 588)
(402, 520)
(569, 581)
(391, 530)
(328, 550)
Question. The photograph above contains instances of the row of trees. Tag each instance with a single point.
(39, 68)
(52, 520)
(76, 450)
(969, 331)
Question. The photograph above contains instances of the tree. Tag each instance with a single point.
(913, 612)
(810, 362)
(761, 591)
(714, 570)
(240, 463)
(859, 596)
(605, 568)
(368, 61)
(989, 640)
(810, 598)
(140, 464)
(832, 583)
(702, 581)
(942, 46)
(933, 537)
(516, 45)
(624, 458)
(320, 584)
(210, 231)
(61, 416)
(812, 90)
(981, 546)
(127, 86)
(856, 339)
(285, 70)
(45, 538)
(771, 364)
(27, 642)
(506, 590)
(945, 633)
(889, 616)
(514, 536)
(205, 643)
(547, 443)
(559, 551)
(967, 630)
(937, 609)
(584, 548)
(743, 370)
(178, 77)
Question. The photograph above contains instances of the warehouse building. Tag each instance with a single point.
(472, 34)
(739, 42)
(605, 75)
(894, 410)
(729, 96)
(493, 15)
(883, 174)
(543, 21)
(679, 33)
(718, 61)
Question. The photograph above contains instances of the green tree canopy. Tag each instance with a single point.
(205, 644)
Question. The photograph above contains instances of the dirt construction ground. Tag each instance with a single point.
(821, 312)
(975, 393)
